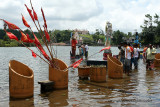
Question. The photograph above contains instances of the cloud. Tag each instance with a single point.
(126, 15)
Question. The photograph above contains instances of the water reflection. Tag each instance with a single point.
(56, 98)
(22, 103)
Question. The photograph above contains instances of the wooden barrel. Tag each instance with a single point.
(59, 76)
(83, 72)
(21, 80)
(115, 68)
(157, 60)
(98, 74)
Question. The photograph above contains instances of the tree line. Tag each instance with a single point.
(150, 34)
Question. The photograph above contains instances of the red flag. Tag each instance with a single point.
(36, 41)
(35, 15)
(76, 63)
(11, 25)
(43, 52)
(24, 37)
(105, 48)
(45, 24)
(11, 36)
(29, 39)
(47, 35)
(33, 54)
(30, 12)
(25, 22)
(131, 48)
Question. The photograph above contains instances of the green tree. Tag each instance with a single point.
(118, 37)
(150, 30)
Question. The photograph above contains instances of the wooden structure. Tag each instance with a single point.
(96, 62)
(21, 80)
(83, 72)
(157, 60)
(46, 86)
(115, 68)
(59, 76)
(98, 74)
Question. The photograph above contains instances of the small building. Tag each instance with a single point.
(83, 32)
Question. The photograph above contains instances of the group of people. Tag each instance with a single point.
(130, 54)
(83, 50)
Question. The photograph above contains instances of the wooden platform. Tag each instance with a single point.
(46, 86)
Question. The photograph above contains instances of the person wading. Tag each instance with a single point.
(150, 56)
(121, 55)
(127, 61)
(136, 55)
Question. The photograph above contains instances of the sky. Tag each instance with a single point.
(125, 15)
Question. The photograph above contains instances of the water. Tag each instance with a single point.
(142, 88)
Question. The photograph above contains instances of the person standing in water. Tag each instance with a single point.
(127, 61)
(150, 56)
(86, 51)
(136, 55)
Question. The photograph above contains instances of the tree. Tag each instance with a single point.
(118, 37)
(150, 30)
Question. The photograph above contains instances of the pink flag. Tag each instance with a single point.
(105, 48)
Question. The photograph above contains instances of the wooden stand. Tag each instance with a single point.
(83, 72)
(46, 86)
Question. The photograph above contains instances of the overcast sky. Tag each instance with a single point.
(125, 15)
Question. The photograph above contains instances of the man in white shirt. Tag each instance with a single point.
(86, 51)
(127, 58)
(136, 54)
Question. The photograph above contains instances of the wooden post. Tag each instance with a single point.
(46, 86)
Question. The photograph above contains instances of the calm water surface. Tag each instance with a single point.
(142, 88)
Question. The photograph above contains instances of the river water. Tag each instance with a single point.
(142, 88)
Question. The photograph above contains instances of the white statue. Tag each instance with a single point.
(108, 30)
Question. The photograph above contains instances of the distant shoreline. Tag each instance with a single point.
(64, 44)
